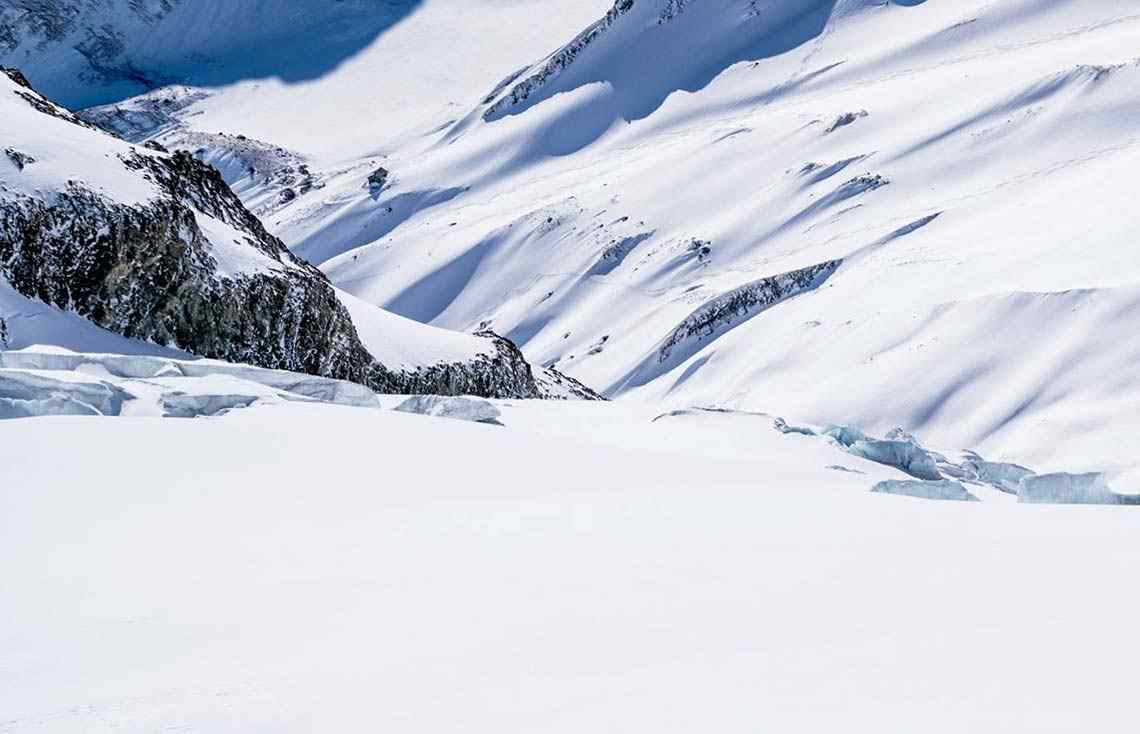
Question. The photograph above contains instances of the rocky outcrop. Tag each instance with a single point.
(539, 76)
(149, 272)
(186, 265)
(503, 373)
(554, 385)
(556, 64)
(743, 303)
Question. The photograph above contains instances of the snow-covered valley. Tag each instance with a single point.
(582, 567)
(306, 311)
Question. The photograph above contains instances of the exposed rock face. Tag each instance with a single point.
(743, 302)
(187, 265)
(554, 385)
(148, 272)
(558, 62)
(505, 373)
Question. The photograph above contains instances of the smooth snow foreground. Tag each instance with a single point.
(300, 566)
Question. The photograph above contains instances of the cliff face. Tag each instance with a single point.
(177, 260)
(157, 271)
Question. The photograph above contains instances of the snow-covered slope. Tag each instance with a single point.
(946, 187)
(91, 51)
(585, 568)
(362, 72)
(906, 226)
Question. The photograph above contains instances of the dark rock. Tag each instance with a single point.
(19, 160)
(744, 302)
(17, 76)
(378, 178)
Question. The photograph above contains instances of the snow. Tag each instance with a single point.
(582, 568)
(400, 343)
(459, 408)
(987, 295)
(62, 152)
(304, 555)
(234, 251)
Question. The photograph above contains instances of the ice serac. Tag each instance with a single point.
(156, 247)
(1071, 489)
(458, 408)
(942, 489)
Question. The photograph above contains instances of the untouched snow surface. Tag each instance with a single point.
(585, 568)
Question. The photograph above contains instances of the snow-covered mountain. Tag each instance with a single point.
(625, 202)
(860, 279)
(156, 247)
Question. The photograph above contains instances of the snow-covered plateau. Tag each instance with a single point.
(569, 365)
